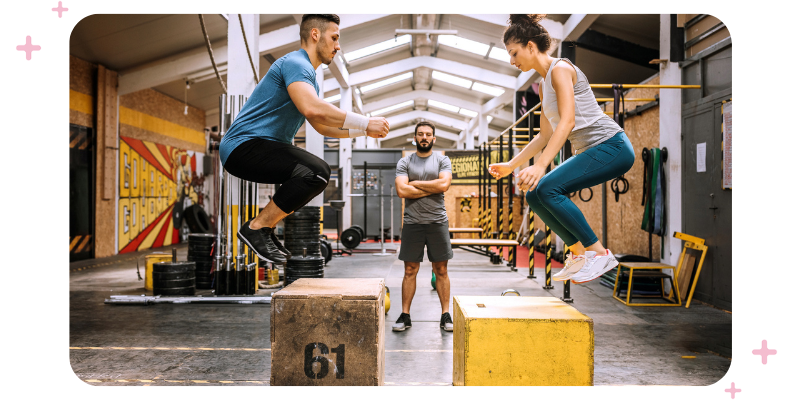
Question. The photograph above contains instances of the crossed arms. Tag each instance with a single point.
(417, 189)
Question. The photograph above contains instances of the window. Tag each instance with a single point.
(454, 80)
(377, 48)
(386, 82)
(392, 108)
(492, 90)
(451, 108)
(497, 53)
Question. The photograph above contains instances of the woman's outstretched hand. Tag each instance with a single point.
(529, 177)
(500, 170)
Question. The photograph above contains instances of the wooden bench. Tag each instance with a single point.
(481, 247)
(464, 230)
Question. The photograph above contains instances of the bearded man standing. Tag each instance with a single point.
(422, 178)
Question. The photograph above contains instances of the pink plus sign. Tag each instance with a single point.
(733, 390)
(60, 9)
(28, 48)
(764, 352)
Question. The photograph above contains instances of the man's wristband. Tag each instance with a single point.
(356, 133)
(355, 121)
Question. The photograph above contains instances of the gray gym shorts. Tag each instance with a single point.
(416, 236)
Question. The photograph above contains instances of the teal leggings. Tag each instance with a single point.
(594, 166)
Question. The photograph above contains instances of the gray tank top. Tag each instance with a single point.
(592, 126)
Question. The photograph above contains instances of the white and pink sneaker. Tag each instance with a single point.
(572, 265)
(595, 266)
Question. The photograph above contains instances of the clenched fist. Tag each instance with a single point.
(378, 127)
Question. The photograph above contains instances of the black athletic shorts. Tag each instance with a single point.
(302, 175)
(415, 237)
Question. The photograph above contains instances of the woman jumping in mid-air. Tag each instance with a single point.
(571, 112)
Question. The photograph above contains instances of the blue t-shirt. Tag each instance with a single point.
(269, 112)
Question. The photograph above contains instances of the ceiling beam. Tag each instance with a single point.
(421, 94)
(177, 67)
(440, 119)
(575, 26)
(451, 67)
(554, 28)
(339, 71)
(498, 102)
(618, 48)
(409, 130)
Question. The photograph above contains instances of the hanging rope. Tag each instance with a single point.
(255, 74)
(211, 54)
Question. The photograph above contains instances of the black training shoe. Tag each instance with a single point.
(286, 253)
(446, 322)
(261, 243)
(402, 323)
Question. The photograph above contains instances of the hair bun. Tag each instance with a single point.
(523, 19)
(536, 17)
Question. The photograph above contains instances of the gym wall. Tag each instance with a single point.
(154, 133)
(93, 105)
(160, 151)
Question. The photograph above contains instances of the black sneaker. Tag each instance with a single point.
(446, 322)
(402, 323)
(261, 243)
(286, 253)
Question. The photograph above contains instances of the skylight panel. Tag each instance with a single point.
(443, 106)
(494, 91)
(500, 54)
(489, 118)
(333, 98)
(377, 48)
(392, 108)
(386, 82)
(441, 76)
(466, 112)
(464, 44)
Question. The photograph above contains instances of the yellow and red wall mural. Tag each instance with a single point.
(152, 178)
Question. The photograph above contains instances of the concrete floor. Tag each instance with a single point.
(187, 344)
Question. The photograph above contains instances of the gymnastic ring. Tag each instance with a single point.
(591, 194)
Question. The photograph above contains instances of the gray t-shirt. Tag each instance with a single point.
(429, 209)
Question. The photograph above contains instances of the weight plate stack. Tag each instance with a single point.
(201, 251)
(304, 267)
(174, 278)
(301, 231)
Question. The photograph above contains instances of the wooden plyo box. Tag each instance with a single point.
(521, 341)
(328, 332)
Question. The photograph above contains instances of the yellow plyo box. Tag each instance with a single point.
(521, 341)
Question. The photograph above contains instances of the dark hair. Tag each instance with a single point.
(524, 28)
(424, 123)
(319, 21)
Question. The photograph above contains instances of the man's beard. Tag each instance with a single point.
(424, 149)
(324, 56)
